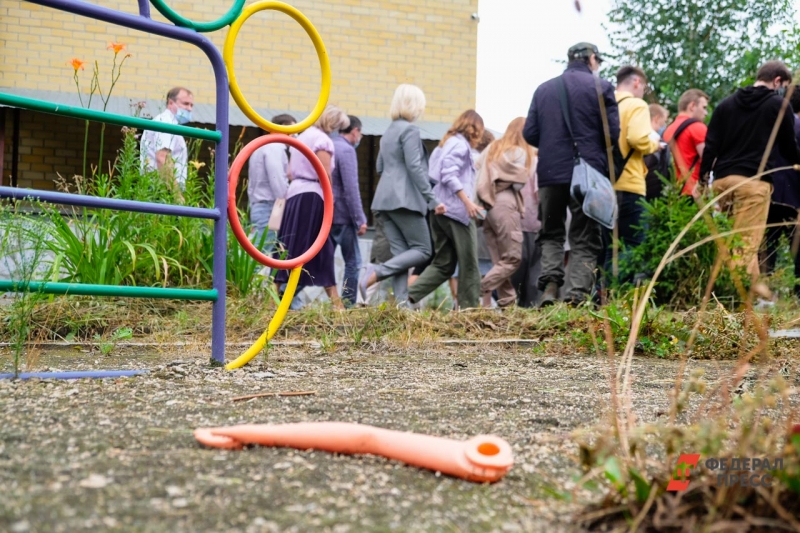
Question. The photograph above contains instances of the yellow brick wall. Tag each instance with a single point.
(50, 146)
(374, 45)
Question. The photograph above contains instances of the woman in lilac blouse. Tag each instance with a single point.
(302, 216)
(452, 168)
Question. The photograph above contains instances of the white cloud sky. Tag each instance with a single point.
(519, 42)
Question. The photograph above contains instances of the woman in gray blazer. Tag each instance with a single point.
(403, 196)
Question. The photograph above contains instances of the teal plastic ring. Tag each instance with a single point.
(201, 27)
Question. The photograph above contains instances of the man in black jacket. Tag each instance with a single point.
(737, 138)
(546, 129)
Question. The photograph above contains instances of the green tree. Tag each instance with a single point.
(713, 45)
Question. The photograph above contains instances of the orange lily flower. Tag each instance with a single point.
(76, 64)
(117, 47)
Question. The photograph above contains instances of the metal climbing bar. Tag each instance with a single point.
(144, 8)
(76, 375)
(143, 23)
(124, 291)
(81, 200)
(109, 118)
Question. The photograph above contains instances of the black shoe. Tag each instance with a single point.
(550, 294)
(597, 298)
(574, 302)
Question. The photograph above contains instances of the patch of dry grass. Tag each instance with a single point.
(558, 329)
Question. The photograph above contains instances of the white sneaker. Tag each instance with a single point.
(362, 283)
(762, 304)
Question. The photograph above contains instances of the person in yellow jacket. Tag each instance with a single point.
(636, 140)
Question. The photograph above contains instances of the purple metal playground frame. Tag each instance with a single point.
(144, 23)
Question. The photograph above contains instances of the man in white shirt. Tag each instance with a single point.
(165, 152)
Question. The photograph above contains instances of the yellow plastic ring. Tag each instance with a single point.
(324, 63)
(274, 324)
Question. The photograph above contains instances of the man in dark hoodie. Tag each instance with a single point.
(546, 129)
(737, 138)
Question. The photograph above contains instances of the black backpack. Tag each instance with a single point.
(660, 163)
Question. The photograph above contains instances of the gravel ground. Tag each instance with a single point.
(118, 455)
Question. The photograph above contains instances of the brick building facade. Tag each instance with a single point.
(374, 45)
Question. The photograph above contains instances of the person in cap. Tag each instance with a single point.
(546, 129)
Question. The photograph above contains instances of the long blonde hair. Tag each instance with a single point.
(469, 124)
(512, 138)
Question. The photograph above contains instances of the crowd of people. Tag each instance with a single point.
(501, 220)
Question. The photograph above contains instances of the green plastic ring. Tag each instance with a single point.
(202, 27)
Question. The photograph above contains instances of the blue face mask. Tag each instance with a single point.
(662, 129)
(781, 91)
(183, 116)
(357, 143)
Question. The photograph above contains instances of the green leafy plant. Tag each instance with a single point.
(107, 345)
(119, 247)
(103, 246)
(116, 72)
(243, 271)
(95, 88)
(683, 281)
(22, 259)
(358, 331)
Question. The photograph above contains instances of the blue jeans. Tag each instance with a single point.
(346, 236)
(259, 219)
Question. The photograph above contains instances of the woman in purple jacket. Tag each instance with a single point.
(452, 168)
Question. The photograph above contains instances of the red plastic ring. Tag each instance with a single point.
(327, 197)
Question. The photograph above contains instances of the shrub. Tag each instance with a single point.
(683, 281)
(21, 260)
(110, 247)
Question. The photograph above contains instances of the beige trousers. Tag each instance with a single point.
(749, 206)
(503, 231)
